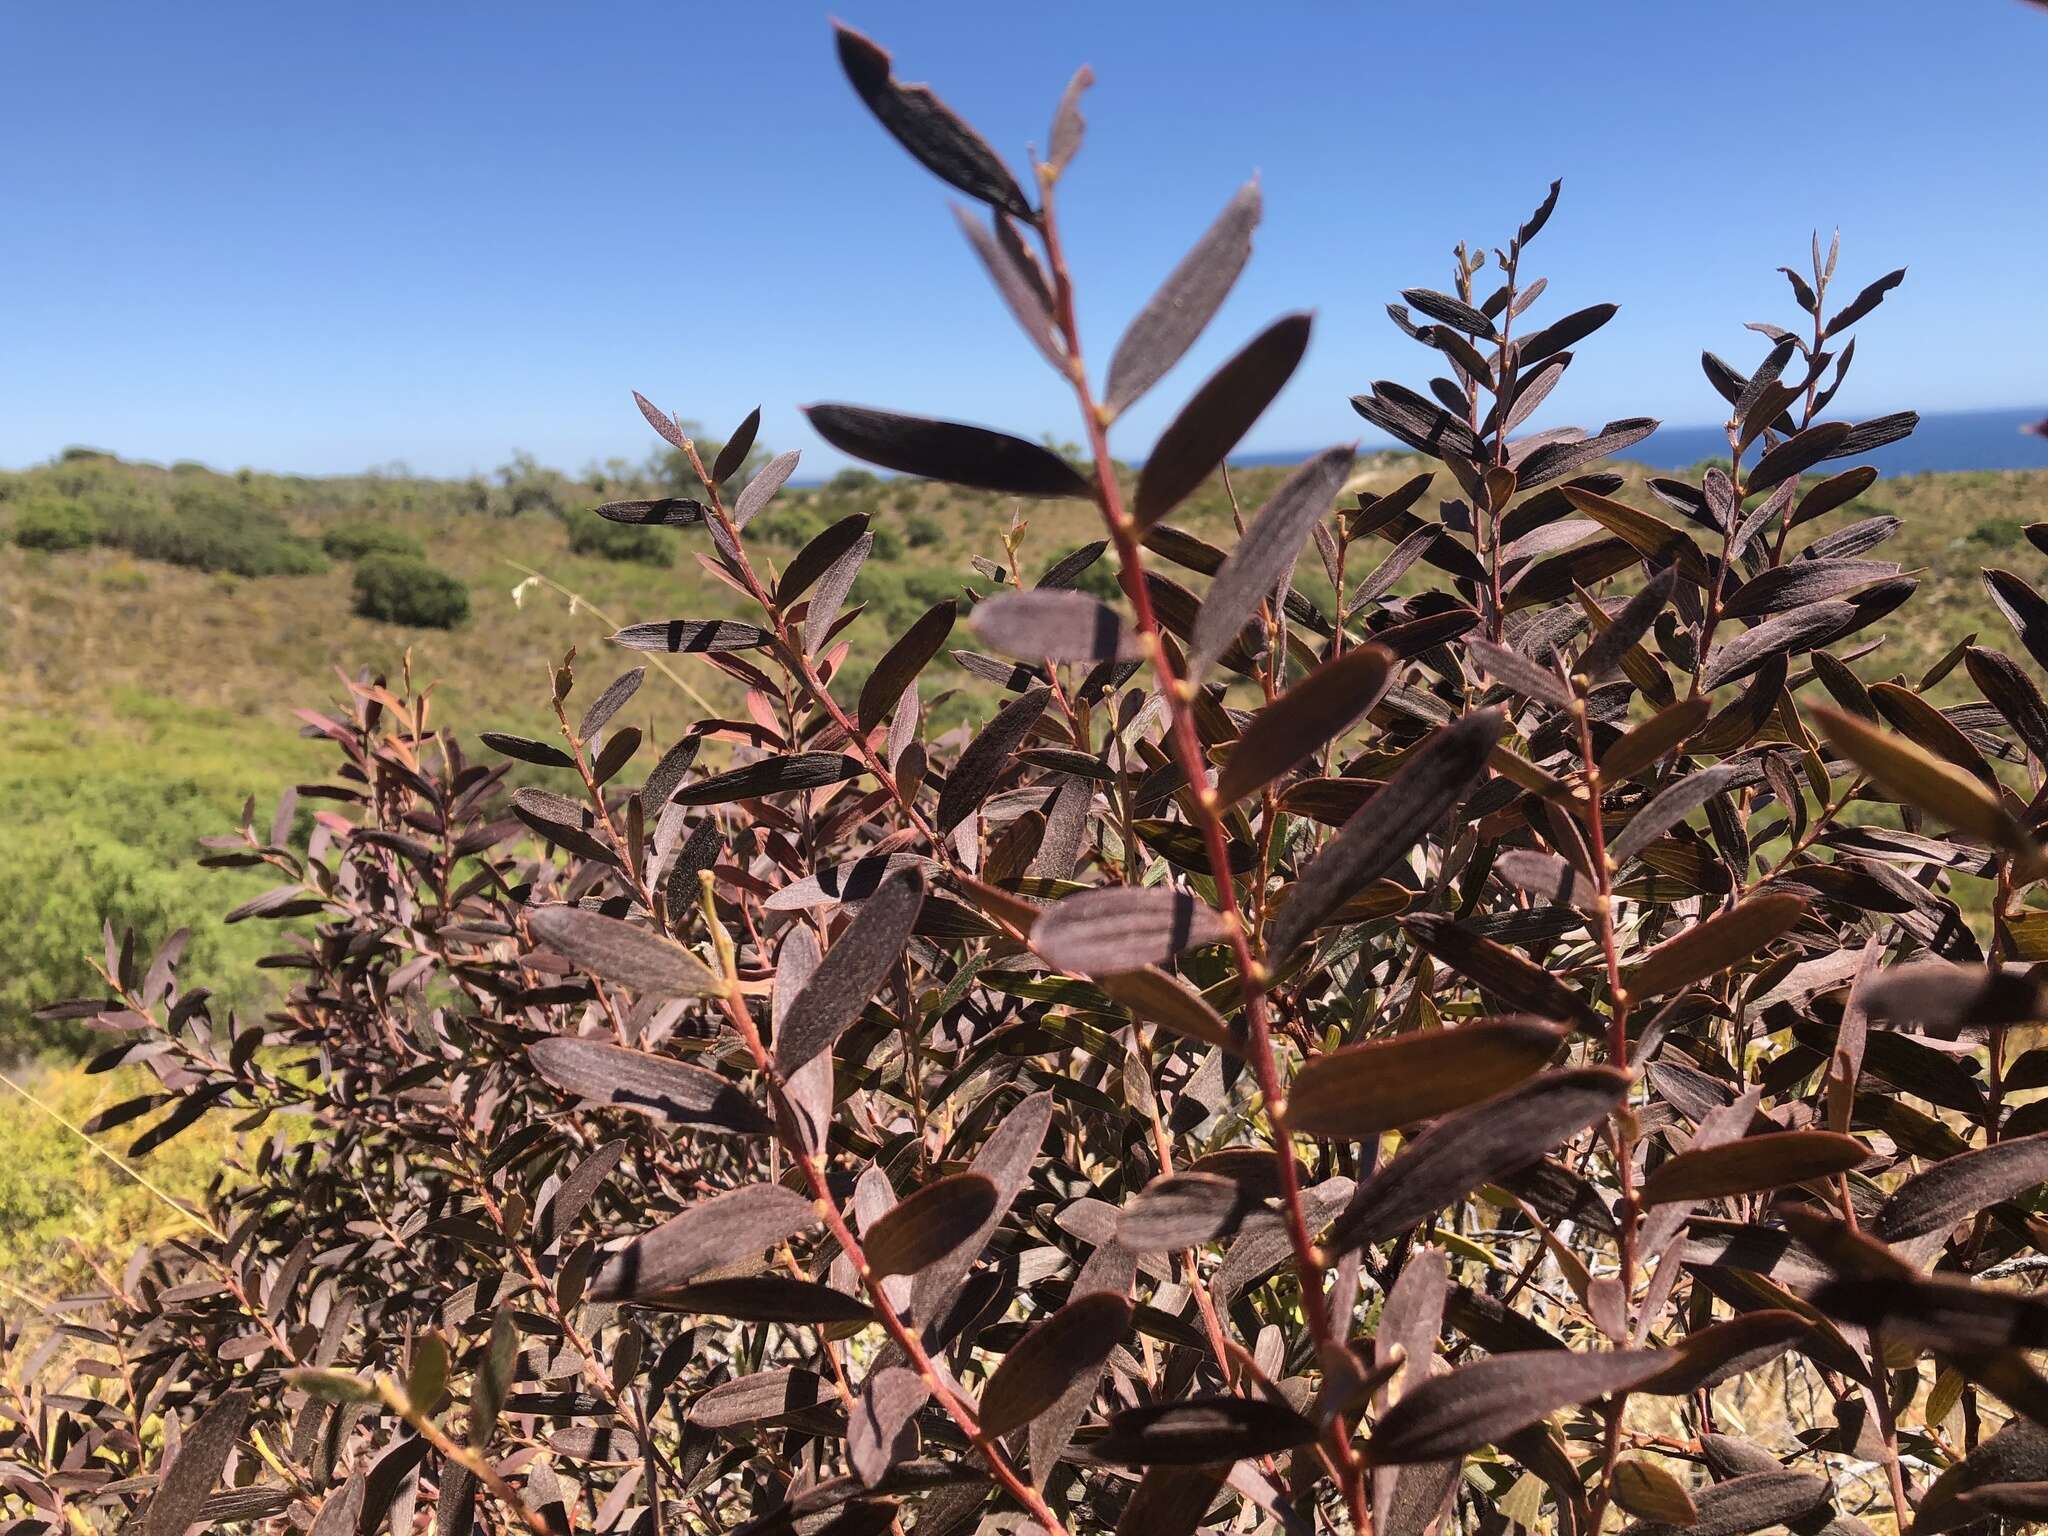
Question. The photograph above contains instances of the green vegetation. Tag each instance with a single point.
(2000, 532)
(400, 589)
(620, 541)
(55, 525)
(60, 1203)
(352, 541)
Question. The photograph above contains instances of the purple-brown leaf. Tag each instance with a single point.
(1362, 1090)
(852, 971)
(618, 952)
(653, 1085)
(1116, 928)
(1221, 412)
(1168, 325)
(709, 1235)
(950, 451)
(1474, 1146)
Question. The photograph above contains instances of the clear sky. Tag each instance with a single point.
(318, 238)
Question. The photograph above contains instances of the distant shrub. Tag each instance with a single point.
(634, 542)
(923, 530)
(399, 589)
(888, 543)
(56, 525)
(211, 530)
(353, 541)
(531, 488)
(1099, 580)
(795, 524)
(1999, 532)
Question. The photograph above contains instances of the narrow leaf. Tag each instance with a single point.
(1116, 928)
(763, 1398)
(1722, 941)
(852, 882)
(1930, 1204)
(1488, 1400)
(831, 592)
(770, 776)
(653, 1085)
(1017, 279)
(1298, 723)
(928, 128)
(1671, 806)
(618, 952)
(852, 971)
(755, 495)
(1265, 556)
(985, 758)
(1941, 789)
(930, 1224)
(1362, 1090)
(1216, 419)
(736, 448)
(1072, 1345)
(1049, 624)
(1168, 325)
(1202, 1430)
(765, 1299)
(709, 1235)
(1753, 1163)
(202, 1455)
(697, 636)
(1158, 998)
(907, 656)
(1182, 1210)
(947, 450)
(1418, 795)
(1753, 1502)
(1477, 1145)
(1799, 630)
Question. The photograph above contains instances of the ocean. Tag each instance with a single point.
(1944, 441)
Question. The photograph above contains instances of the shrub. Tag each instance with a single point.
(796, 524)
(632, 542)
(56, 525)
(1449, 1053)
(2000, 532)
(352, 541)
(211, 529)
(923, 530)
(399, 589)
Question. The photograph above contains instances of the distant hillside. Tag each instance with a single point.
(146, 698)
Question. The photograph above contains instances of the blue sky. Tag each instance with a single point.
(320, 238)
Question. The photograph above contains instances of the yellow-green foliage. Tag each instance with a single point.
(104, 820)
(60, 1202)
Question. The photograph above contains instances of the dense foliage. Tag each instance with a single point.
(352, 541)
(620, 541)
(1449, 1054)
(403, 589)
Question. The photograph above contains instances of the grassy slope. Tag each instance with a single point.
(146, 700)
